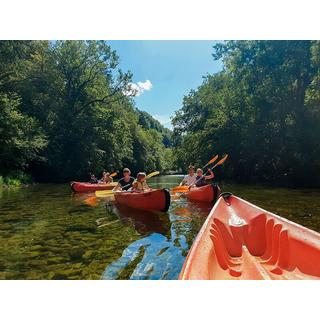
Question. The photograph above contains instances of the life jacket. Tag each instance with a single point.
(140, 186)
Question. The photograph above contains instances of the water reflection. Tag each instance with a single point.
(161, 253)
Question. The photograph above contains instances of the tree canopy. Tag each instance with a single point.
(64, 113)
(263, 109)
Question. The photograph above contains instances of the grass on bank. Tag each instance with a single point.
(15, 179)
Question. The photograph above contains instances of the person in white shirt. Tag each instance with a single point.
(190, 179)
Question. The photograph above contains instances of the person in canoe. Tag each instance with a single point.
(190, 179)
(93, 179)
(140, 184)
(106, 177)
(201, 179)
(126, 182)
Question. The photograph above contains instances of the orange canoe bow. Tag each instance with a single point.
(242, 241)
(154, 200)
(208, 193)
(91, 187)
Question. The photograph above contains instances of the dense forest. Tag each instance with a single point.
(263, 109)
(65, 112)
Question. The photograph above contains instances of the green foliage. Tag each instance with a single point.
(148, 122)
(64, 113)
(263, 109)
(15, 179)
(21, 139)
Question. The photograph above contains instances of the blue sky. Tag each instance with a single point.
(165, 71)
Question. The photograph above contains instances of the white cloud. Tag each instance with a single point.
(136, 89)
(164, 120)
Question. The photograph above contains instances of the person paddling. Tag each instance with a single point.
(201, 179)
(106, 178)
(190, 179)
(126, 182)
(140, 184)
(93, 179)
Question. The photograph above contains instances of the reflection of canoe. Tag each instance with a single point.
(242, 241)
(208, 193)
(90, 187)
(144, 221)
(154, 200)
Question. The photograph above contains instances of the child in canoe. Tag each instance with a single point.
(140, 184)
(201, 179)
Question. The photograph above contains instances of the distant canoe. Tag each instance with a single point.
(91, 187)
(240, 241)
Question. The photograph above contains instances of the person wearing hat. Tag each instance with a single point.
(126, 182)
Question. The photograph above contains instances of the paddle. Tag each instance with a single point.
(104, 193)
(113, 174)
(186, 188)
(212, 160)
(150, 175)
(91, 201)
(180, 189)
(220, 162)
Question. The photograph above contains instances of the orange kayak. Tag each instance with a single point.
(91, 187)
(208, 193)
(154, 200)
(242, 241)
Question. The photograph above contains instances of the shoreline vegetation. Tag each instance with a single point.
(17, 179)
(67, 109)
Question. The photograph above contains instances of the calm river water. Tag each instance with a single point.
(47, 232)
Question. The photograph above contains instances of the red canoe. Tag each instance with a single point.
(154, 200)
(91, 187)
(208, 193)
(242, 241)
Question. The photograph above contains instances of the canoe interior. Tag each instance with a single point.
(242, 241)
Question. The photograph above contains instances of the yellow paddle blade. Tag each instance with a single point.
(221, 161)
(113, 174)
(152, 174)
(212, 160)
(180, 189)
(103, 193)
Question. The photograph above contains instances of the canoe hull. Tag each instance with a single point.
(208, 193)
(154, 200)
(90, 187)
(241, 241)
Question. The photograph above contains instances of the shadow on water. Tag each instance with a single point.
(47, 232)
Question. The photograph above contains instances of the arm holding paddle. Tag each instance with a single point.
(182, 188)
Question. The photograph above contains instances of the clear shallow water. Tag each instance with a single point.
(47, 232)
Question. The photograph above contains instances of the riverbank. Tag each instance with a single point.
(17, 179)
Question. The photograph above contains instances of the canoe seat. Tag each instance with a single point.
(260, 249)
(242, 241)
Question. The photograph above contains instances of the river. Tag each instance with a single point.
(47, 232)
